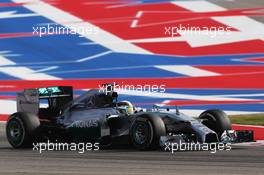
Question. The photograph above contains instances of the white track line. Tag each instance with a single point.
(5, 52)
(187, 70)
(47, 69)
(94, 56)
(6, 62)
(135, 21)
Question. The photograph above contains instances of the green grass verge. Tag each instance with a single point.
(252, 119)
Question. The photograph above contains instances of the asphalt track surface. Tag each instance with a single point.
(235, 4)
(239, 160)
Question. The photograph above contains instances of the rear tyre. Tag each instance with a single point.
(145, 132)
(216, 120)
(21, 129)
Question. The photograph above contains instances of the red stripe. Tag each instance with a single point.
(256, 59)
(258, 131)
(7, 97)
(15, 35)
(4, 117)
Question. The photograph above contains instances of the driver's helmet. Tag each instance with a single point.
(128, 106)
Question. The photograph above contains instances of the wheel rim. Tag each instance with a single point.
(141, 133)
(15, 132)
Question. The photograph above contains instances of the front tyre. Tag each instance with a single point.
(216, 120)
(21, 129)
(145, 132)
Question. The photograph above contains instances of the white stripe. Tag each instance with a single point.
(21, 71)
(26, 73)
(5, 51)
(134, 23)
(8, 106)
(139, 14)
(64, 18)
(47, 69)
(94, 56)
(12, 55)
(241, 95)
(187, 70)
(4, 61)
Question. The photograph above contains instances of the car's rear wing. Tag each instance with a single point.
(29, 99)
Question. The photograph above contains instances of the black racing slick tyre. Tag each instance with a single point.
(216, 120)
(145, 132)
(21, 129)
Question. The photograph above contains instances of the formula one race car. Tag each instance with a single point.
(96, 116)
